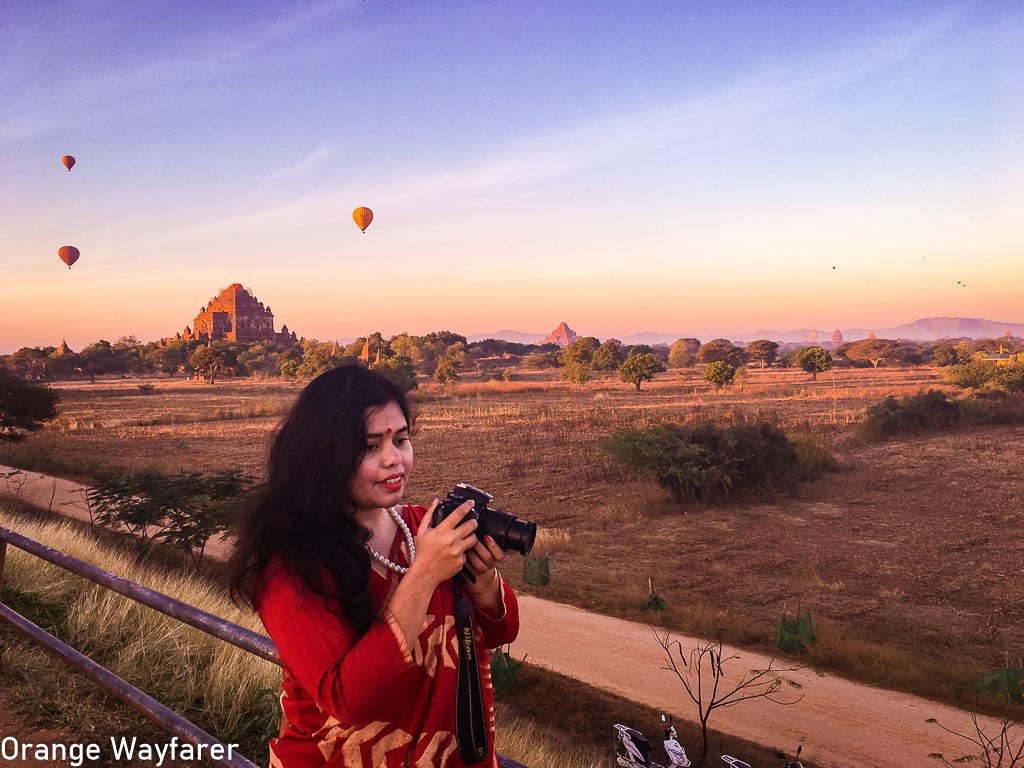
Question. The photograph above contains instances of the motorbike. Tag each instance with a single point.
(632, 750)
(735, 762)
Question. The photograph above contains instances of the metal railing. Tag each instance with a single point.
(166, 718)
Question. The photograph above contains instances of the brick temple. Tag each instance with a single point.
(235, 314)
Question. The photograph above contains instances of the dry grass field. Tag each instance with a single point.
(910, 557)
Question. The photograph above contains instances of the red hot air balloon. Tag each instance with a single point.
(68, 161)
(68, 254)
(362, 216)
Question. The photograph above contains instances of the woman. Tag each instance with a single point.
(355, 588)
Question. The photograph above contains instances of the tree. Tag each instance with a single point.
(575, 372)
(450, 364)
(98, 358)
(213, 360)
(540, 360)
(640, 368)
(720, 374)
(261, 359)
(581, 351)
(683, 353)
(399, 369)
(185, 510)
(944, 355)
(814, 360)
(319, 357)
(992, 750)
(30, 362)
(973, 375)
(763, 351)
(722, 350)
(608, 356)
(23, 406)
(173, 357)
(703, 674)
(873, 351)
(128, 351)
(404, 345)
(577, 360)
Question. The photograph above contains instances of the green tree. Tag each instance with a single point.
(173, 357)
(814, 360)
(608, 356)
(972, 375)
(577, 360)
(581, 351)
(944, 355)
(873, 351)
(721, 350)
(540, 360)
(575, 372)
(404, 345)
(98, 359)
(450, 364)
(763, 351)
(683, 353)
(261, 359)
(23, 406)
(447, 371)
(128, 351)
(399, 369)
(319, 357)
(640, 368)
(30, 362)
(210, 360)
(720, 374)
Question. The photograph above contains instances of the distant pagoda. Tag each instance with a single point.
(563, 336)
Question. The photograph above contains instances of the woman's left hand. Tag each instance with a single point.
(481, 561)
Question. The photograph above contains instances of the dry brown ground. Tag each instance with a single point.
(913, 545)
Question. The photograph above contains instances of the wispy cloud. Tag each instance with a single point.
(269, 183)
(540, 159)
(86, 93)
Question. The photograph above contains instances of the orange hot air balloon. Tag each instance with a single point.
(68, 254)
(68, 161)
(363, 216)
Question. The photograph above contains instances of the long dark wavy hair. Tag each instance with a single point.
(303, 514)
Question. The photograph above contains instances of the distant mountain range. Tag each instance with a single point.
(925, 329)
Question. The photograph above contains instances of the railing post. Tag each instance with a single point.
(3, 557)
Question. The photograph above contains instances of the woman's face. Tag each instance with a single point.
(380, 478)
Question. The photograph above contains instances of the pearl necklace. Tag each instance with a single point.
(409, 543)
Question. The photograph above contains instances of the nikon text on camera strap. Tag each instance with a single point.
(470, 713)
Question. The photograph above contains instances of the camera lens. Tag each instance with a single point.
(507, 530)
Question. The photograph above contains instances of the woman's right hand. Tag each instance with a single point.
(441, 551)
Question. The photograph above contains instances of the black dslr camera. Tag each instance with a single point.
(507, 530)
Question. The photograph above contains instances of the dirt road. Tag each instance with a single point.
(842, 723)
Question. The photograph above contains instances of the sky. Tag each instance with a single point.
(664, 166)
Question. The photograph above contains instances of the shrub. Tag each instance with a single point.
(720, 374)
(185, 510)
(812, 457)
(933, 411)
(913, 413)
(1009, 378)
(704, 462)
(23, 406)
(973, 375)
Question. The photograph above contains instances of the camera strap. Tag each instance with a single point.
(470, 713)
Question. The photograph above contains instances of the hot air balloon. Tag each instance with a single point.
(68, 254)
(68, 161)
(363, 216)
